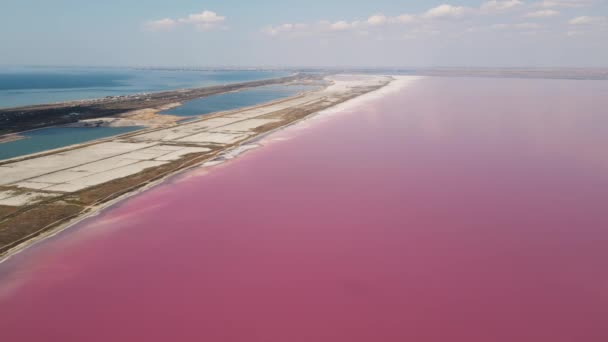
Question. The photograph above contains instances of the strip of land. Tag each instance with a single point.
(147, 117)
(41, 192)
(10, 137)
(32, 117)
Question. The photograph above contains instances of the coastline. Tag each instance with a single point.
(90, 212)
(19, 119)
(330, 212)
(204, 160)
(147, 117)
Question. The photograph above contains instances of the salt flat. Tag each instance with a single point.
(247, 125)
(26, 198)
(214, 138)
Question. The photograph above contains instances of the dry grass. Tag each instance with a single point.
(6, 210)
(20, 223)
(27, 224)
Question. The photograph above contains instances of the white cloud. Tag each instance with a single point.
(203, 17)
(205, 20)
(499, 6)
(364, 28)
(542, 14)
(341, 26)
(404, 19)
(285, 28)
(160, 25)
(527, 26)
(377, 20)
(587, 20)
(517, 26)
(440, 19)
(564, 3)
(445, 11)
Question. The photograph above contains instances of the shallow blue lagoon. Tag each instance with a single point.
(55, 137)
(234, 100)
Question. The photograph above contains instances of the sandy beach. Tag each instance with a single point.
(10, 137)
(148, 117)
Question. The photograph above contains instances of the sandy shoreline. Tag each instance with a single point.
(148, 117)
(90, 212)
(20, 119)
(208, 160)
(10, 138)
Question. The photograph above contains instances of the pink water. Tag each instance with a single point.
(454, 210)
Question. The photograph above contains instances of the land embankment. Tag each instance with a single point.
(31, 117)
(44, 192)
(147, 117)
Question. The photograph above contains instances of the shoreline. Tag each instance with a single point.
(147, 117)
(182, 119)
(205, 160)
(24, 118)
(92, 212)
(11, 137)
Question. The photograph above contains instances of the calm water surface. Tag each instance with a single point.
(453, 210)
(234, 100)
(21, 86)
(55, 137)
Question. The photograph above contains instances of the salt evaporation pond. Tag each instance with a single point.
(448, 210)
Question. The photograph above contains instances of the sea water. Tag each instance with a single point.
(20, 86)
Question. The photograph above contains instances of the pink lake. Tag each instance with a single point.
(452, 209)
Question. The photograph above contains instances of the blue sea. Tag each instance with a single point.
(243, 98)
(20, 86)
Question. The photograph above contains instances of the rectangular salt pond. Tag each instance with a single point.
(55, 137)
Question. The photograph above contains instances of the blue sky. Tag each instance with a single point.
(378, 33)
